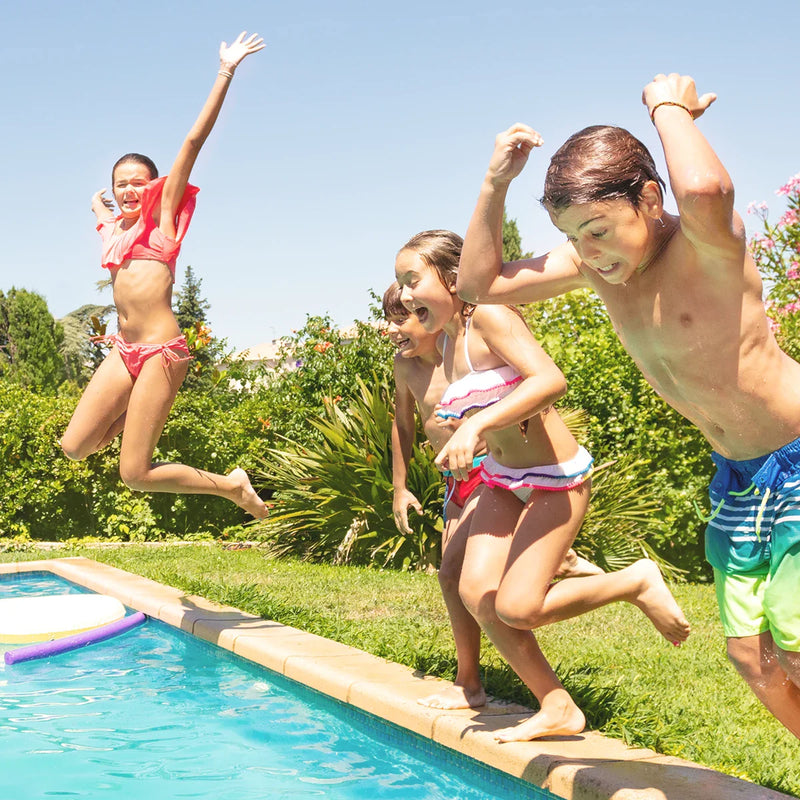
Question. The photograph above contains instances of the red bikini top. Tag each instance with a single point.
(144, 239)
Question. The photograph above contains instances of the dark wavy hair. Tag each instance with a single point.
(136, 158)
(601, 162)
(392, 307)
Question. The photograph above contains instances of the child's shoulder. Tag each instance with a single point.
(485, 317)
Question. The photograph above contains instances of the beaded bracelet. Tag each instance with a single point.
(668, 103)
(226, 74)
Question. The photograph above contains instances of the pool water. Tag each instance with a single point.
(158, 714)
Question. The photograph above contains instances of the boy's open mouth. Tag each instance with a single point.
(422, 314)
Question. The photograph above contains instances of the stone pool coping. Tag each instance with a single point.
(584, 767)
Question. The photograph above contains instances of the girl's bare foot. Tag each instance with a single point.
(574, 566)
(657, 602)
(562, 718)
(455, 697)
(246, 496)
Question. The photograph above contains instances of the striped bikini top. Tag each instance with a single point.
(478, 388)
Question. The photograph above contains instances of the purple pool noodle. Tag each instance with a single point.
(62, 645)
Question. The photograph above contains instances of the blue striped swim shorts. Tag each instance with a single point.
(755, 506)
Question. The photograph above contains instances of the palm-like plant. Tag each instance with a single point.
(334, 498)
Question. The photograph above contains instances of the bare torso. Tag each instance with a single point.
(542, 439)
(143, 297)
(696, 328)
(426, 382)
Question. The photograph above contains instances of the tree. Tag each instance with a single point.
(81, 355)
(30, 340)
(190, 306)
(512, 241)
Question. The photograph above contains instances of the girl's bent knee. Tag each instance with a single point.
(515, 615)
(449, 577)
(134, 479)
(72, 450)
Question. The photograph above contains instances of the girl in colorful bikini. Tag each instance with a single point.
(419, 382)
(536, 483)
(134, 388)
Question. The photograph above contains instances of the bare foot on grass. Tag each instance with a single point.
(246, 496)
(455, 697)
(657, 602)
(562, 718)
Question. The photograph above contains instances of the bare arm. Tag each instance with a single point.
(507, 335)
(403, 434)
(483, 277)
(175, 185)
(701, 184)
(102, 207)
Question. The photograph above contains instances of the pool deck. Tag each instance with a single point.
(584, 767)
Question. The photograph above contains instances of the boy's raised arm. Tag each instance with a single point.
(482, 275)
(701, 184)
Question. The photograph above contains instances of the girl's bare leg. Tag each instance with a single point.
(486, 556)
(100, 414)
(527, 599)
(467, 690)
(149, 405)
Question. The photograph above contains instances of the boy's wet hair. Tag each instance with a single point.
(599, 163)
(136, 158)
(392, 307)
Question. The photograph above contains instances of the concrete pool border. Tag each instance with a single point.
(584, 767)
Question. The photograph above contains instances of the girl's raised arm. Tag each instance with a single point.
(175, 185)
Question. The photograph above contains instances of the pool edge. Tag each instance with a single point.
(585, 767)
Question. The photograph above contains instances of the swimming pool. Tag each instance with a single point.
(159, 713)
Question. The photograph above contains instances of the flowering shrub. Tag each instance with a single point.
(776, 251)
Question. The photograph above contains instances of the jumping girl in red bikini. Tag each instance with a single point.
(134, 388)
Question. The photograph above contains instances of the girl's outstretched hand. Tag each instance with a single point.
(234, 53)
(511, 151)
(102, 206)
(675, 89)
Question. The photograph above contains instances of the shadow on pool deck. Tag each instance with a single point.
(584, 767)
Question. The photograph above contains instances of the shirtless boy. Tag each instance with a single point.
(685, 299)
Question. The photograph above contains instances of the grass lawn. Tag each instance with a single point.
(687, 702)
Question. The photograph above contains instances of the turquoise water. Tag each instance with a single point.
(158, 714)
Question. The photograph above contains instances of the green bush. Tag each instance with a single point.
(776, 250)
(315, 362)
(47, 496)
(333, 495)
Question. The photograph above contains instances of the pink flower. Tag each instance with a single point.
(793, 273)
(767, 244)
(789, 218)
(792, 184)
(754, 207)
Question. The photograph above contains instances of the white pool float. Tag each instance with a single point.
(41, 619)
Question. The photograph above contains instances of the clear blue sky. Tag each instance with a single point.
(359, 125)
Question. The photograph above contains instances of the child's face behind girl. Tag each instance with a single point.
(129, 180)
(423, 292)
(612, 237)
(409, 337)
